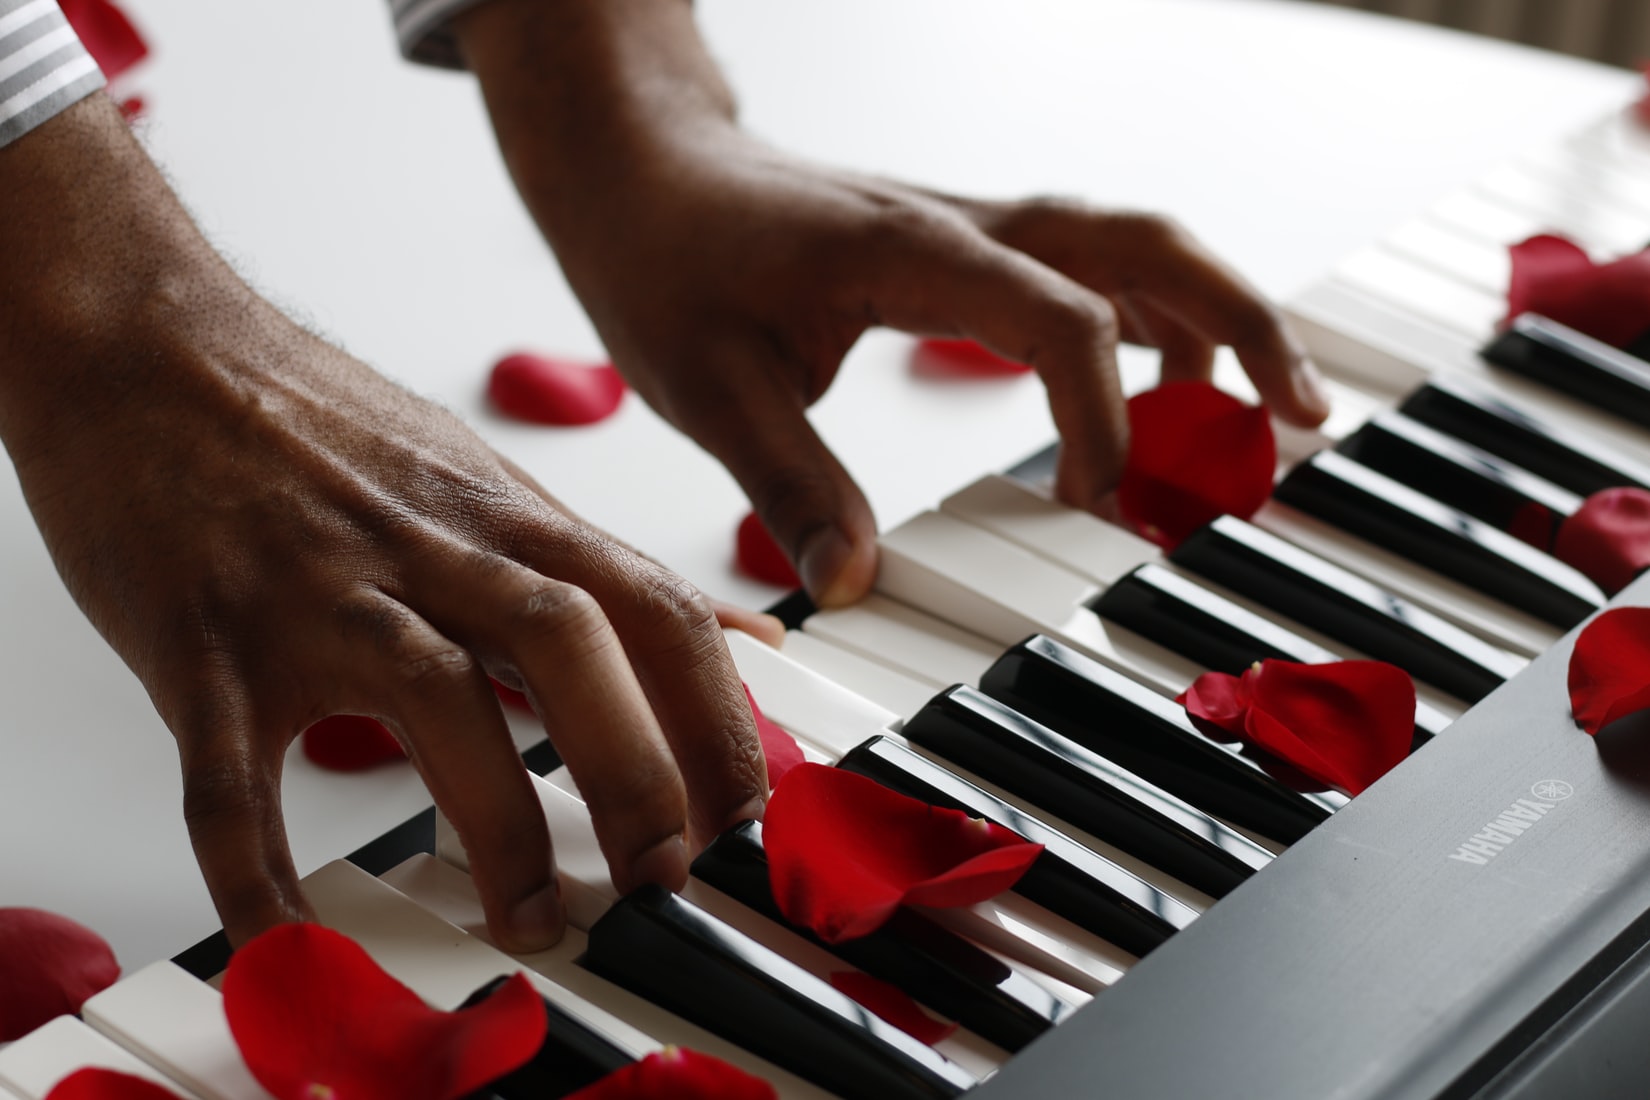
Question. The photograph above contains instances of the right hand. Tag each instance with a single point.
(268, 532)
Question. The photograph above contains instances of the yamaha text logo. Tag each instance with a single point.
(1512, 822)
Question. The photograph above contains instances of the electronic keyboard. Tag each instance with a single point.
(1202, 922)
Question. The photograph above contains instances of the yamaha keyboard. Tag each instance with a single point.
(1202, 923)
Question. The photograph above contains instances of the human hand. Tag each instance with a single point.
(728, 280)
(269, 532)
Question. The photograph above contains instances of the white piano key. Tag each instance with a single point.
(1380, 346)
(1104, 553)
(441, 963)
(1412, 287)
(1489, 618)
(34, 1064)
(870, 679)
(1578, 213)
(1439, 247)
(174, 1021)
(1069, 538)
(447, 893)
(1618, 141)
(981, 583)
(1472, 214)
(1572, 169)
(902, 638)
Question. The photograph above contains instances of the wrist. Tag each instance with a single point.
(102, 278)
(594, 96)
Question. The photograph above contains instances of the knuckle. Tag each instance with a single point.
(560, 614)
(433, 667)
(897, 222)
(220, 788)
(1151, 228)
(1084, 320)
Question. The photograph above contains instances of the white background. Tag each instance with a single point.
(365, 196)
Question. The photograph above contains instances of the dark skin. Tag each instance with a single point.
(728, 279)
(269, 532)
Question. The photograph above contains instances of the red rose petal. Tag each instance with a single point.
(512, 698)
(313, 1015)
(350, 743)
(845, 852)
(676, 1073)
(1610, 668)
(1608, 538)
(106, 33)
(542, 390)
(957, 359)
(891, 1003)
(107, 1084)
(1535, 524)
(1347, 722)
(1555, 277)
(1195, 454)
(49, 966)
(779, 747)
(1219, 699)
(759, 556)
(132, 108)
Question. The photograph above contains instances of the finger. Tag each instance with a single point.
(569, 658)
(1159, 263)
(670, 635)
(759, 430)
(949, 278)
(232, 807)
(760, 625)
(763, 627)
(1186, 356)
(443, 709)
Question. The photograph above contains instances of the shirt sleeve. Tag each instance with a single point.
(422, 26)
(43, 67)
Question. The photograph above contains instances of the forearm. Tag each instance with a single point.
(100, 269)
(586, 94)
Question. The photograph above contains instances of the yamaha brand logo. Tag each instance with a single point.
(1512, 822)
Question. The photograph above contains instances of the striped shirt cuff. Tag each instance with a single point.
(423, 28)
(43, 67)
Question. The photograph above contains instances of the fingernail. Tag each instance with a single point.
(1309, 387)
(538, 921)
(666, 863)
(831, 570)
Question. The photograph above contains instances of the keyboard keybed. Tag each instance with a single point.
(1391, 543)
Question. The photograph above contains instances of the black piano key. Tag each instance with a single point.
(1570, 362)
(1357, 499)
(1093, 793)
(1472, 413)
(1203, 626)
(1462, 476)
(664, 949)
(1070, 879)
(1150, 735)
(571, 1057)
(932, 964)
(1297, 583)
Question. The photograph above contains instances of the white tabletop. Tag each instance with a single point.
(365, 195)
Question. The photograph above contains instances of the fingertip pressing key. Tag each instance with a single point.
(538, 921)
(1310, 390)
